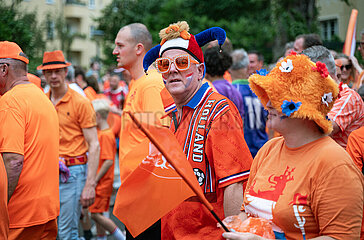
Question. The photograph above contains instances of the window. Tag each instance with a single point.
(50, 30)
(92, 31)
(50, 1)
(92, 4)
(329, 29)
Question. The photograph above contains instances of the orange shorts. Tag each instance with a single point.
(44, 231)
(100, 205)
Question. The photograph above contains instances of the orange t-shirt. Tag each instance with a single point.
(107, 152)
(4, 217)
(143, 96)
(74, 113)
(355, 147)
(29, 126)
(34, 79)
(306, 192)
(90, 93)
(114, 122)
(211, 135)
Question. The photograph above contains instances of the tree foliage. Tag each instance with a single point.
(24, 29)
(250, 24)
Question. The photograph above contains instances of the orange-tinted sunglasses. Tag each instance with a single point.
(182, 63)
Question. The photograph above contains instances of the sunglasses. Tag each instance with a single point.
(181, 62)
(347, 67)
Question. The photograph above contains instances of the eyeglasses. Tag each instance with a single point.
(182, 63)
(347, 67)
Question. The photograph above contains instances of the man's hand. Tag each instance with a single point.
(87, 195)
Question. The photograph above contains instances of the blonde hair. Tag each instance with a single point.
(175, 30)
(102, 107)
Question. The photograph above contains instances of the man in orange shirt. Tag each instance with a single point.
(209, 128)
(29, 146)
(131, 44)
(78, 136)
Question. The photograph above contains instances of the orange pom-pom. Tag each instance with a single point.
(175, 28)
(185, 35)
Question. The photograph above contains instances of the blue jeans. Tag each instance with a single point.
(69, 194)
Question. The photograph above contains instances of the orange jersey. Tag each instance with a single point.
(211, 135)
(90, 93)
(4, 217)
(74, 113)
(355, 147)
(114, 121)
(34, 79)
(107, 152)
(29, 126)
(143, 96)
(306, 192)
(347, 113)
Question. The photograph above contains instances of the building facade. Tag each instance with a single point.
(75, 18)
(334, 16)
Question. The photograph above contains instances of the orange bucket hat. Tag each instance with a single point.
(53, 60)
(298, 88)
(12, 50)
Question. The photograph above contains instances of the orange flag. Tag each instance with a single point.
(163, 179)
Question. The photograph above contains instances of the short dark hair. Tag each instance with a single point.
(217, 62)
(80, 71)
(311, 39)
(92, 82)
(259, 54)
(140, 34)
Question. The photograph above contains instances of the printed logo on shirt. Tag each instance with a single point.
(262, 203)
(198, 144)
(199, 175)
(278, 184)
(298, 201)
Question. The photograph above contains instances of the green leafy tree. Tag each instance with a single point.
(264, 25)
(24, 29)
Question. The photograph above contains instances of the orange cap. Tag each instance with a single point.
(12, 50)
(53, 60)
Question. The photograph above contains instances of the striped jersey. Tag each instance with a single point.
(347, 113)
(210, 131)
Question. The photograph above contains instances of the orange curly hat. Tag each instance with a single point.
(297, 80)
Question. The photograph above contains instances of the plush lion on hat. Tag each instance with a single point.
(298, 88)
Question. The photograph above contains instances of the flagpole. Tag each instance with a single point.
(189, 183)
(350, 34)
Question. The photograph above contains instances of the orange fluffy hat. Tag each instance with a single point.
(12, 50)
(298, 88)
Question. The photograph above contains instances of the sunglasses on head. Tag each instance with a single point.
(347, 67)
(181, 62)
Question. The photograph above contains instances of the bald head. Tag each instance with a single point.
(139, 34)
(18, 68)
